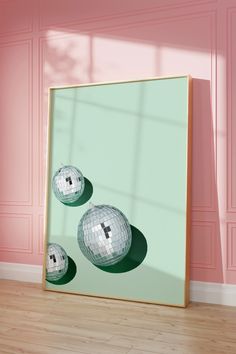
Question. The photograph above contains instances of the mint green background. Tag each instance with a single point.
(130, 141)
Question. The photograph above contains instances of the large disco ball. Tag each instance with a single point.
(68, 184)
(104, 235)
(57, 262)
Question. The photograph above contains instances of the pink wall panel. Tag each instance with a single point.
(231, 246)
(15, 123)
(72, 12)
(231, 109)
(16, 17)
(203, 246)
(58, 42)
(40, 235)
(16, 233)
(206, 257)
(230, 241)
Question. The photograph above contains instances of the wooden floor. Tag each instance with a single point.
(36, 322)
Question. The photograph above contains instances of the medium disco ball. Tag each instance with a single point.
(104, 235)
(68, 184)
(57, 262)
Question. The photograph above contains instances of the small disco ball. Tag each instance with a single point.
(57, 262)
(104, 235)
(68, 184)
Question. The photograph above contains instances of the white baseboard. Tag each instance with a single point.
(21, 272)
(212, 293)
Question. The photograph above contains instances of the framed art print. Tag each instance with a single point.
(118, 190)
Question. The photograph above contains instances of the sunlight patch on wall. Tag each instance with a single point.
(66, 58)
(116, 59)
(78, 58)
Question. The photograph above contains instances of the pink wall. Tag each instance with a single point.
(57, 42)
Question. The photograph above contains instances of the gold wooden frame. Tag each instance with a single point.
(188, 187)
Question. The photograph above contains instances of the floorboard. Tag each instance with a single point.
(33, 321)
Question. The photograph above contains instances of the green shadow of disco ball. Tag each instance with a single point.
(104, 235)
(68, 184)
(57, 262)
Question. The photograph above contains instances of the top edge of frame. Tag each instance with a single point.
(120, 82)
